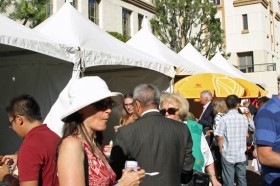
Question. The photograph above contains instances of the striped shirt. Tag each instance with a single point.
(233, 127)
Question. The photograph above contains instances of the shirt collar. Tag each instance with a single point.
(151, 110)
(205, 106)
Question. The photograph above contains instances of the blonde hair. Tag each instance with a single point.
(177, 99)
(219, 105)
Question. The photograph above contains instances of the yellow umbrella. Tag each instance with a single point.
(220, 85)
(251, 89)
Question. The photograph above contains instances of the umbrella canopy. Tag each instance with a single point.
(251, 89)
(220, 85)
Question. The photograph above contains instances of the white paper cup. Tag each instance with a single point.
(131, 164)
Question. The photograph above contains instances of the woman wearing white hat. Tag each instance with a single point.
(80, 160)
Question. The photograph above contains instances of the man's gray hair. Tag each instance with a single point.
(147, 94)
(207, 94)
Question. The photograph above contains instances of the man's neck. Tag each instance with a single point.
(32, 125)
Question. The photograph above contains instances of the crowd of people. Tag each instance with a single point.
(170, 145)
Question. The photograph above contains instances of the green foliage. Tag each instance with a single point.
(119, 36)
(179, 22)
(4, 4)
(28, 11)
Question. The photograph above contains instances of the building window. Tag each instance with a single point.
(245, 21)
(49, 9)
(140, 21)
(93, 11)
(216, 2)
(74, 3)
(246, 62)
(126, 22)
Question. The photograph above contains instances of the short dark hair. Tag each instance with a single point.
(232, 101)
(24, 105)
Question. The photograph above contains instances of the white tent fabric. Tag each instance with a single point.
(190, 53)
(120, 65)
(14, 34)
(30, 64)
(145, 41)
(98, 48)
(220, 61)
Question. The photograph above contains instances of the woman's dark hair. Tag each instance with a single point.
(11, 180)
(261, 101)
(73, 124)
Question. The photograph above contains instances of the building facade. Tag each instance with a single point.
(252, 36)
(122, 16)
(252, 30)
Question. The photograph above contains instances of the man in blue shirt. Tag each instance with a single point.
(267, 123)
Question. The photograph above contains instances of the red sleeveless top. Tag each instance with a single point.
(99, 173)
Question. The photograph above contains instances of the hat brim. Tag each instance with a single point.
(116, 97)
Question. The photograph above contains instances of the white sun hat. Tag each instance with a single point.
(87, 90)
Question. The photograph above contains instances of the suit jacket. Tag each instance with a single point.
(158, 144)
(207, 118)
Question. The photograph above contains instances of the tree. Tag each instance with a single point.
(119, 36)
(179, 22)
(28, 11)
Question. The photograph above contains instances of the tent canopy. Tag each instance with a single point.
(190, 53)
(17, 35)
(120, 65)
(220, 61)
(145, 41)
(29, 64)
(97, 48)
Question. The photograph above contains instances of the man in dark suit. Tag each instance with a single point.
(157, 143)
(207, 116)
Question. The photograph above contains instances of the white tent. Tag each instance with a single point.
(29, 64)
(145, 41)
(98, 49)
(120, 65)
(220, 61)
(190, 53)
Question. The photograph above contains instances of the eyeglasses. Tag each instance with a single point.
(104, 104)
(170, 111)
(11, 122)
(128, 105)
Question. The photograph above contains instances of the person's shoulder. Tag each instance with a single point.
(71, 143)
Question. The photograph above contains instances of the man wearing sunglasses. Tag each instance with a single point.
(157, 143)
(37, 154)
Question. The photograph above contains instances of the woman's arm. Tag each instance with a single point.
(211, 171)
(70, 163)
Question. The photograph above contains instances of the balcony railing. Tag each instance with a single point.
(257, 67)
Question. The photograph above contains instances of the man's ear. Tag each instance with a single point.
(21, 119)
(137, 107)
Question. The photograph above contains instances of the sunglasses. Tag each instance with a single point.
(104, 104)
(170, 111)
(11, 122)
